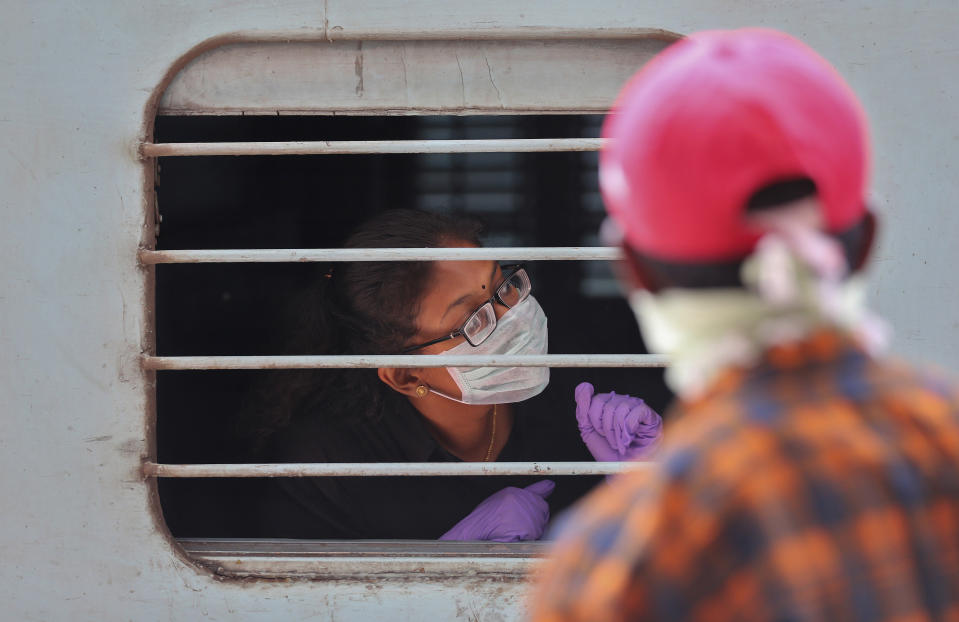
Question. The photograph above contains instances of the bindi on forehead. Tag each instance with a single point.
(454, 288)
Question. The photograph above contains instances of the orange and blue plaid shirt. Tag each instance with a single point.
(819, 485)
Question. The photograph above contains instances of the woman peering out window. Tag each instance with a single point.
(432, 414)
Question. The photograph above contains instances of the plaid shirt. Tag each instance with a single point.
(820, 485)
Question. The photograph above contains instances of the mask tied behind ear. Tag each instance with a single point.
(794, 284)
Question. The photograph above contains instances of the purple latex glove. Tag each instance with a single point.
(616, 427)
(510, 515)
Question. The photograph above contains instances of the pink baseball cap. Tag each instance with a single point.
(716, 117)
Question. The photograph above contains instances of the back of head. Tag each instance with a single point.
(736, 171)
(717, 119)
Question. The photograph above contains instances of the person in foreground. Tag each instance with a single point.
(434, 414)
(803, 477)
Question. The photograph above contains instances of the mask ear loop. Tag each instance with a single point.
(423, 391)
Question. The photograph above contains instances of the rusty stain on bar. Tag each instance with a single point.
(278, 255)
(389, 469)
(341, 147)
(320, 361)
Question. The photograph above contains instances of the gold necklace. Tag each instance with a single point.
(492, 437)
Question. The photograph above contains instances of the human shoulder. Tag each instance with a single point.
(895, 376)
(311, 439)
(394, 434)
(922, 402)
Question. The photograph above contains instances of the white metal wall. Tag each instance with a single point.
(77, 538)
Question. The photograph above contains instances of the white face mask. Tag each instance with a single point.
(521, 330)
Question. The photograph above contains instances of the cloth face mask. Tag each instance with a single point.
(521, 330)
(705, 330)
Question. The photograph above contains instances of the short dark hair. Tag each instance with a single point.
(363, 307)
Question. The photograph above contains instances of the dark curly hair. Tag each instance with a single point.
(365, 307)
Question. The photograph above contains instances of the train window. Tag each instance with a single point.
(266, 155)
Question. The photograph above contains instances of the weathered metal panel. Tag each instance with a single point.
(79, 538)
(365, 77)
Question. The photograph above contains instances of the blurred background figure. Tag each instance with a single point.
(802, 477)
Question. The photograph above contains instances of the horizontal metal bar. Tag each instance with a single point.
(329, 147)
(269, 255)
(529, 110)
(368, 469)
(319, 361)
(269, 548)
(486, 32)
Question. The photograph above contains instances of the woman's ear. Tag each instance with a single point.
(401, 379)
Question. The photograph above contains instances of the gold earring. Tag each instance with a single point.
(421, 391)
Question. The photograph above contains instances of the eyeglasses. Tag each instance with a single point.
(481, 323)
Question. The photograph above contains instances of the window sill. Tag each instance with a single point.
(363, 559)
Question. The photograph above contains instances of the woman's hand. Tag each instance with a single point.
(616, 427)
(510, 515)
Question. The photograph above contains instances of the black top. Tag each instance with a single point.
(410, 507)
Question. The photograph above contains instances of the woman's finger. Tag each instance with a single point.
(620, 436)
(542, 488)
(583, 394)
(596, 409)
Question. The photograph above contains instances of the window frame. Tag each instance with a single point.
(324, 559)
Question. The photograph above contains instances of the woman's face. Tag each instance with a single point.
(454, 291)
